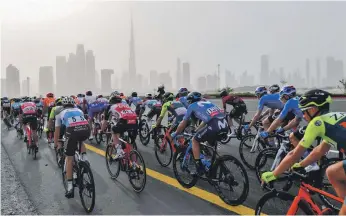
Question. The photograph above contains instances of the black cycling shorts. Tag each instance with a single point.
(75, 135)
(7, 110)
(299, 134)
(155, 111)
(15, 112)
(32, 120)
(290, 116)
(214, 130)
(138, 109)
(238, 110)
(122, 126)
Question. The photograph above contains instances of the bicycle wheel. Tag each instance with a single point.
(325, 185)
(86, 184)
(113, 166)
(58, 157)
(144, 135)
(137, 172)
(230, 180)
(264, 163)
(164, 152)
(184, 166)
(246, 156)
(266, 206)
(34, 150)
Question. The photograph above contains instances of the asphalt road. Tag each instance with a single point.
(41, 179)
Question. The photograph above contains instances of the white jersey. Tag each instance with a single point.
(90, 99)
(102, 100)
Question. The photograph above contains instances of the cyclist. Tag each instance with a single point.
(331, 127)
(161, 91)
(273, 89)
(154, 105)
(6, 106)
(289, 112)
(272, 101)
(48, 104)
(239, 108)
(15, 107)
(102, 104)
(137, 101)
(91, 106)
(125, 120)
(58, 106)
(71, 122)
(182, 94)
(28, 115)
(213, 126)
(80, 98)
(176, 108)
(122, 96)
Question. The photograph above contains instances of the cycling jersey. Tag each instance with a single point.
(204, 110)
(49, 102)
(5, 104)
(292, 105)
(135, 101)
(121, 111)
(183, 100)
(271, 101)
(28, 108)
(231, 100)
(16, 105)
(331, 127)
(70, 117)
(175, 107)
(151, 103)
(123, 101)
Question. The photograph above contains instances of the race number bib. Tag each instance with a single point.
(29, 110)
(76, 121)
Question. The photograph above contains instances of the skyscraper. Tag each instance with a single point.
(166, 80)
(178, 75)
(90, 70)
(186, 75)
(26, 87)
(70, 86)
(318, 73)
(46, 80)
(132, 60)
(264, 76)
(153, 79)
(307, 70)
(80, 67)
(106, 78)
(12, 81)
(61, 75)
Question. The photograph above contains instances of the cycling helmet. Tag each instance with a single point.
(315, 98)
(27, 99)
(115, 93)
(80, 95)
(88, 93)
(134, 94)
(115, 99)
(274, 88)
(193, 97)
(121, 94)
(260, 91)
(148, 96)
(183, 91)
(161, 87)
(34, 97)
(37, 100)
(49, 95)
(67, 101)
(223, 93)
(100, 96)
(168, 96)
(290, 91)
(58, 102)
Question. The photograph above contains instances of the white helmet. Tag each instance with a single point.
(115, 93)
(67, 101)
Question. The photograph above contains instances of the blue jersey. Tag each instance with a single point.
(292, 105)
(183, 100)
(135, 101)
(271, 101)
(123, 101)
(151, 103)
(70, 117)
(204, 110)
(39, 105)
(16, 105)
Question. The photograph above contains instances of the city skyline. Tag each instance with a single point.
(291, 57)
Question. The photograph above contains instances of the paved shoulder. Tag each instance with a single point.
(14, 199)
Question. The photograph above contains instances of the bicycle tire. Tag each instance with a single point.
(34, 151)
(225, 140)
(282, 195)
(143, 169)
(242, 147)
(220, 163)
(167, 147)
(84, 168)
(108, 157)
(260, 163)
(178, 156)
(323, 198)
(144, 139)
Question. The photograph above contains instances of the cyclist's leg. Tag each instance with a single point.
(71, 146)
(33, 126)
(82, 136)
(117, 130)
(90, 120)
(337, 177)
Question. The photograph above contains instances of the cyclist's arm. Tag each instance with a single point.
(57, 129)
(295, 122)
(316, 154)
(277, 122)
(265, 113)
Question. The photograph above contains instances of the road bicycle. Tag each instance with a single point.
(302, 203)
(217, 172)
(132, 163)
(83, 179)
(143, 129)
(31, 145)
(40, 126)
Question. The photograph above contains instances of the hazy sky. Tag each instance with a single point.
(233, 34)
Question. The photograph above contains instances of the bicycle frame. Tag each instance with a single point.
(28, 133)
(304, 194)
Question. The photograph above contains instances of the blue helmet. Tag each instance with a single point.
(193, 97)
(260, 91)
(288, 90)
(183, 91)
